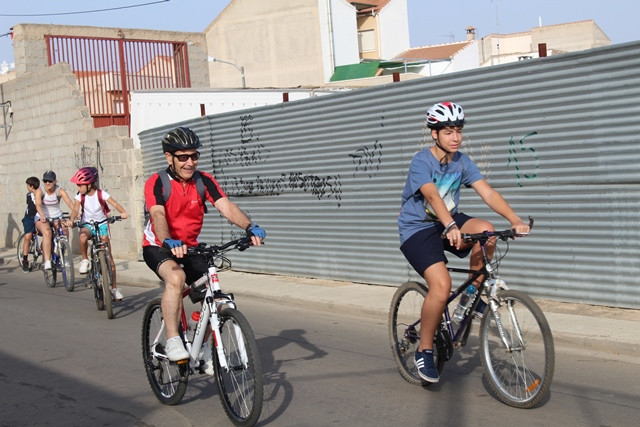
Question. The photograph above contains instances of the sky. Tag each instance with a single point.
(430, 21)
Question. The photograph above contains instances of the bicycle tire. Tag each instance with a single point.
(168, 380)
(96, 281)
(105, 282)
(66, 264)
(405, 309)
(51, 275)
(520, 377)
(32, 253)
(241, 385)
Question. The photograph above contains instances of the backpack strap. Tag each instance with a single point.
(103, 203)
(166, 186)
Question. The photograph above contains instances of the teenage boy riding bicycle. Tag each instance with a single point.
(175, 224)
(430, 223)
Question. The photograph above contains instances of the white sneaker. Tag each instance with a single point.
(116, 294)
(205, 356)
(47, 265)
(84, 266)
(175, 350)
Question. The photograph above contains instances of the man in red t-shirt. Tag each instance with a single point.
(176, 224)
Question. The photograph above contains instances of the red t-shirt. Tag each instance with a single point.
(184, 210)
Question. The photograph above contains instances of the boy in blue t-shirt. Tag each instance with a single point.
(430, 223)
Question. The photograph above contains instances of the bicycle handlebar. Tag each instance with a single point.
(502, 235)
(110, 220)
(239, 244)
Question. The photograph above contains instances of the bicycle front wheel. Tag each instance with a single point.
(240, 385)
(66, 264)
(404, 330)
(51, 275)
(105, 282)
(168, 380)
(519, 358)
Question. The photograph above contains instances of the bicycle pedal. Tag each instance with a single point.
(182, 362)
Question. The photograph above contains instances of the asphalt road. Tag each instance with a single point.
(62, 362)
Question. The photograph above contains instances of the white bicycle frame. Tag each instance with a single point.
(209, 313)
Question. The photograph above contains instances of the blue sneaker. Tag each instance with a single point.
(481, 306)
(426, 367)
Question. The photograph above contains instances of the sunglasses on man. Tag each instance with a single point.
(184, 157)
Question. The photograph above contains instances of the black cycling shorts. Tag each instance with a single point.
(194, 266)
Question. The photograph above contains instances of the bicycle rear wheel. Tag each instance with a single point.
(404, 330)
(168, 380)
(66, 264)
(105, 282)
(520, 375)
(240, 385)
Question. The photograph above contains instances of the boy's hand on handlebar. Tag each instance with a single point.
(521, 228)
(178, 248)
(455, 237)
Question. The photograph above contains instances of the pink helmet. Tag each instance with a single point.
(85, 176)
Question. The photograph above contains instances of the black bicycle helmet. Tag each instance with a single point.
(180, 138)
(445, 114)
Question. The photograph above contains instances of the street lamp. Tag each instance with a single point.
(241, 69)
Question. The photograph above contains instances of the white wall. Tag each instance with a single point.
(394, 29)
(338, 35)
(150, 109)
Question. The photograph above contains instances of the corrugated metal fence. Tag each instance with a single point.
(558, 137)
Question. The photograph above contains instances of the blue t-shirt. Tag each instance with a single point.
(416, 214)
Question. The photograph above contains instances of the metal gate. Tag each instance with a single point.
(109, 68)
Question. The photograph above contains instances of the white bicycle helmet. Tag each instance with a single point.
(445, 114)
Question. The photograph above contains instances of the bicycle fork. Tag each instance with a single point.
(492, 286)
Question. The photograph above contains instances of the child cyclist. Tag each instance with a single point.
(93, 202)
(430, 223)
(28, 221)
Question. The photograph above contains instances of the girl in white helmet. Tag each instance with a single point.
(430, 223)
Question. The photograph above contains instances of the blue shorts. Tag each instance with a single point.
(103, 229)
(426, 247)
(29, 224)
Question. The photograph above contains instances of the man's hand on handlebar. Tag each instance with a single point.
(177, 247)
(256, 233)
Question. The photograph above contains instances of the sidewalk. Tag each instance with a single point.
(577, 325)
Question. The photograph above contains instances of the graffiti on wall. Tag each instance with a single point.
(320, 187)
(520, 155)
(252, 152)
(367, 159)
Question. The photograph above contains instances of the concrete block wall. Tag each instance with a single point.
(52, 129)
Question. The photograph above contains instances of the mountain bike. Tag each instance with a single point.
(236, 361)
(33, 253)
(100, 275)
(516, 344)
(61, 258)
